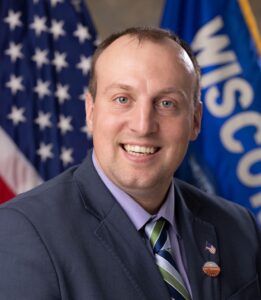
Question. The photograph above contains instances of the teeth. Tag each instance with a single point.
(134, 149)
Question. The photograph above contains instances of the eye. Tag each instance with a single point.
(122, 100)
(166, 104)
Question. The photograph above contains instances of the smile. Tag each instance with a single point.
(139, 150)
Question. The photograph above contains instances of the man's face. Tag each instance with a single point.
(143, 116)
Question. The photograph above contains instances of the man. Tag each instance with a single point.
(92, 232)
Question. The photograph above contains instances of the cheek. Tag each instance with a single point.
(105, 127)
(177, 130)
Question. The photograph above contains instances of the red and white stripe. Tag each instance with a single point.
(17, 174)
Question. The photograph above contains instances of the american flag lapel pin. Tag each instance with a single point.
(210, 248)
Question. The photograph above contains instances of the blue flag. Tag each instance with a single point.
(45, 52)
(226, 158)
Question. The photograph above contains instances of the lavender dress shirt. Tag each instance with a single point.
(139, 217)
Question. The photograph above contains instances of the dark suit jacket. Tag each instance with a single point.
(69, 239)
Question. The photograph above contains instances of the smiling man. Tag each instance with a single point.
(143, 115)
(119, 226)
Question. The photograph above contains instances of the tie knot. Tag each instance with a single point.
(156, 232)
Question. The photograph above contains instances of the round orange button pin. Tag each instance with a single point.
(211, 269)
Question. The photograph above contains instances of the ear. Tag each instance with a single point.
(89, 107)
(197, 121)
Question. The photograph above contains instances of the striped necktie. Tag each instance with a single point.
(157, 233)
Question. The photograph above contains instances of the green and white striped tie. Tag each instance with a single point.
(157, 233)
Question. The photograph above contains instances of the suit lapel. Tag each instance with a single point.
(196, 235)
(119, 237)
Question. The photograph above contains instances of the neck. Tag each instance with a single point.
(152, 201)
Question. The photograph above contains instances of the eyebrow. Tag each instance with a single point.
(122, 86)
(172, 90)
(165, 91)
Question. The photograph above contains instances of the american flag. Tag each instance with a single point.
(45, 53)
(210, 248)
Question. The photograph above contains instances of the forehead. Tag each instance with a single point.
(129, 47)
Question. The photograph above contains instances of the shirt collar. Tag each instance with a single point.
(137, 214)
(167, 210)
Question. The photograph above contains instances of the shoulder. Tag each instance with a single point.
(59, 185)
(53, 200)
(215, 210)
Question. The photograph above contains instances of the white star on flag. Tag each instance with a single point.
(82, 33)
(45, 151)
(17, 115)
(13, 19)
(65, 124)
(15, 84)
(39, 25)
(66, 156)
(54, 2)
(57, 29)
(14, 51)
(85, 130)
(43, 120)
(59, 61)
(83, 95)
(40, 57)
(62, 93)
(76, 4)
(84, 64)
(97, 41)
(42, 88)
(40, 85)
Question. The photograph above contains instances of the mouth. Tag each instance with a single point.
(139, 150)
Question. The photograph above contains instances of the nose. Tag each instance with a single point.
(143, 119)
